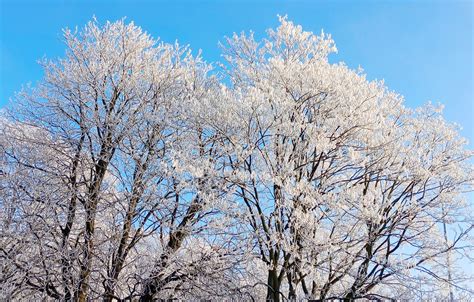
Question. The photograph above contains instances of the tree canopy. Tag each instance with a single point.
(137, 171)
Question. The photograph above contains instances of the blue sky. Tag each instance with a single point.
(423, 49)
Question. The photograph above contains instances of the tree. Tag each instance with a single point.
(135, 170)
(114, 162)
(344, 187)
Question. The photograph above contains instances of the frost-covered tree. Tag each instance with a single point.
(344, 188)
(135, 171)
(101, 155)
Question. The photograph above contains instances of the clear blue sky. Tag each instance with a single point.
(423, 49)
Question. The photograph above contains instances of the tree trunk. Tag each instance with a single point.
(91, 211)
(273, 284)
(291, 286)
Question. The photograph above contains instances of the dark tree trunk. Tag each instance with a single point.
(273, 283)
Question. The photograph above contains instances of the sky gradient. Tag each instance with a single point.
(422, 49)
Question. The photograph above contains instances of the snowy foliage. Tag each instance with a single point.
(135, 170)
